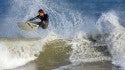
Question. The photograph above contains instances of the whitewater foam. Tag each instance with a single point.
(17, 52)
(84, 51)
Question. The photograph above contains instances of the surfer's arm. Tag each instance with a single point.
(33, 18)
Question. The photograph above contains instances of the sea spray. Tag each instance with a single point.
(84, 50)
(116, 37)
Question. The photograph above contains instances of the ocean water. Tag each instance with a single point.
(82, 35)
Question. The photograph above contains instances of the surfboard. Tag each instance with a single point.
(28, 26)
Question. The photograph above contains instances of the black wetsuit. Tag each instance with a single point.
(44, 21)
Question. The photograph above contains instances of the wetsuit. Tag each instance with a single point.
(44, 21)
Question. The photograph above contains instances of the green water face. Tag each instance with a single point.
(56, 53)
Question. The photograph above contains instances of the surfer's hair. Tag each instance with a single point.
(41, 11)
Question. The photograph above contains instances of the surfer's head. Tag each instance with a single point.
(41, 12)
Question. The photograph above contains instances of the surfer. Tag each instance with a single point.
(43, 17)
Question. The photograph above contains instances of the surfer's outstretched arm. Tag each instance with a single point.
(33, 18)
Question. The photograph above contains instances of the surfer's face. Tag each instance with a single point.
(41, 13)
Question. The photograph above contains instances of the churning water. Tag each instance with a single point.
(79, 31)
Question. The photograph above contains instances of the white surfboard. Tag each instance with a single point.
(28, 26)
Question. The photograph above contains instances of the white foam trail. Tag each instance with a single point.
(116, 38)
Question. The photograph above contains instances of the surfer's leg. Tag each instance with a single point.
(44, 25)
